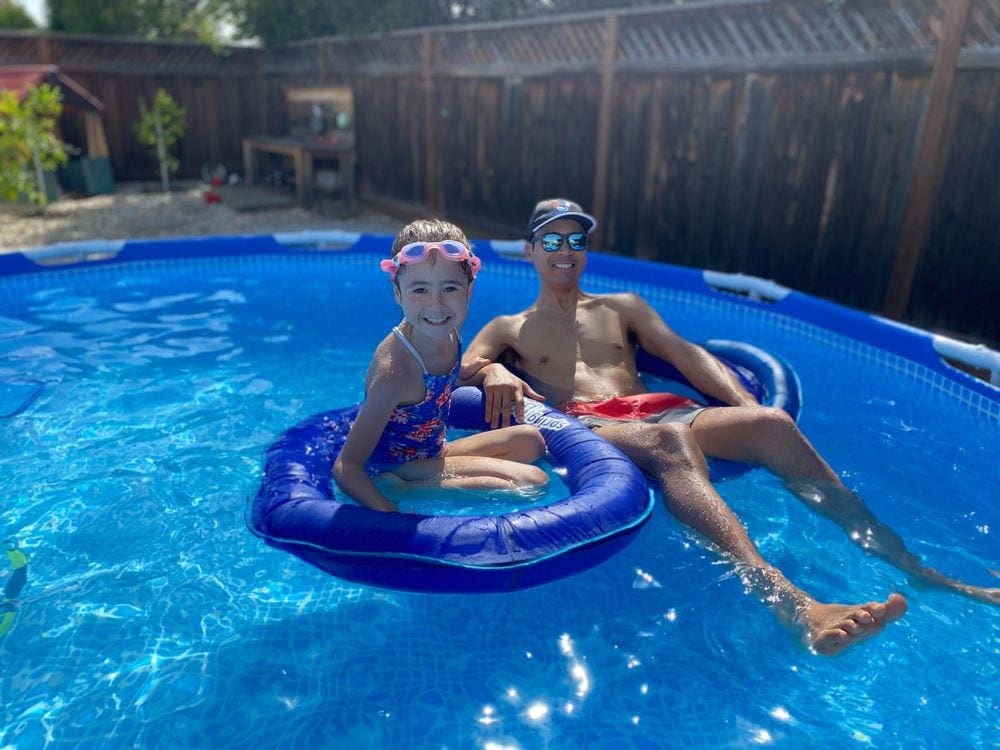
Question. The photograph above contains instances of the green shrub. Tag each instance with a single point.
(160, 127)
(28, 144)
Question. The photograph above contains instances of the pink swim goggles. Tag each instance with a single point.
(416, 252)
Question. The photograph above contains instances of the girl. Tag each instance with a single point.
(399, 433)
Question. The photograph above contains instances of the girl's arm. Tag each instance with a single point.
(349, 468)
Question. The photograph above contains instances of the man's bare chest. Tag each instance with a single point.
(561, 342)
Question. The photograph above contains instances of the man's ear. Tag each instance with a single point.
(397, 294)
(528, 249)
(471, 284)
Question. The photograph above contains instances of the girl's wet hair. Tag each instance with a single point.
(431, 230)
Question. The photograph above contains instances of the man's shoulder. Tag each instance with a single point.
(619, 301)
(509, 322)
(500, 332)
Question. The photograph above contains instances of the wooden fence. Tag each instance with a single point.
(848, 149)
(223, 93)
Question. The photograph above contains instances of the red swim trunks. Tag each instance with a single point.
(646, 407)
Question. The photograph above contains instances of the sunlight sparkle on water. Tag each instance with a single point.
(536, 712)
(644, 580)
(577, 669)
(762, 737)
(582, 678)
(781, 713)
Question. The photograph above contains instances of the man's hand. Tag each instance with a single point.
(505, 394)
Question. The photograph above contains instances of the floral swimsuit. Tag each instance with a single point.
(416, 431)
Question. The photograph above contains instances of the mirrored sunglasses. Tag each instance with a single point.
(552, 241)
(416, 252)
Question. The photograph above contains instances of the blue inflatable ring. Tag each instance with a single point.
(296, 510)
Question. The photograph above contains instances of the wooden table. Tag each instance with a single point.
(302, 154)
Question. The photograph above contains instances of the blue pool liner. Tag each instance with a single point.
(902, 340)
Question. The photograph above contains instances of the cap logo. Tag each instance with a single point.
(561, 207)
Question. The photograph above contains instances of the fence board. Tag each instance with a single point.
(958, 278)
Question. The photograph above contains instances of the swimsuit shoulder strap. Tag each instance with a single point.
(413, 350)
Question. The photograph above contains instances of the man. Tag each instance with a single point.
(578, 351)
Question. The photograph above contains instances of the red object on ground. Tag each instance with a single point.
(212, 197)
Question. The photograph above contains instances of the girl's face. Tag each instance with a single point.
(434, 295)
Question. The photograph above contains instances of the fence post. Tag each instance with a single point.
(44, 49)
(432, 161)
(321, 49)
(604, 126)
(927, 170)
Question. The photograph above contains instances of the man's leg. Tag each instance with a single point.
(670, 453)
(768, 437)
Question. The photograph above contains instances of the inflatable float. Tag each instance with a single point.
(297, 510)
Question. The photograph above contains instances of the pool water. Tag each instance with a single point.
(152, 618)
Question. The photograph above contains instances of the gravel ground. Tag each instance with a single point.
(132, 212)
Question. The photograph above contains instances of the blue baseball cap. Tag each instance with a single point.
(553, 209)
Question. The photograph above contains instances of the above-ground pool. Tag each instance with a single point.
(140, 391)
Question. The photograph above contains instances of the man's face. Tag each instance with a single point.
(563, 266)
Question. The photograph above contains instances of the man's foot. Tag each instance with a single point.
(831, 628)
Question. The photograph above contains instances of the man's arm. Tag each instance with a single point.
(704, 371)
(488, 344)
(504, 391)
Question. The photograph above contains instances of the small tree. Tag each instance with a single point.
(28, 144)
(160, 127)
(13, 16)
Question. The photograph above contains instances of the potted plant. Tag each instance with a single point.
(160, 126)
(29, 148)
